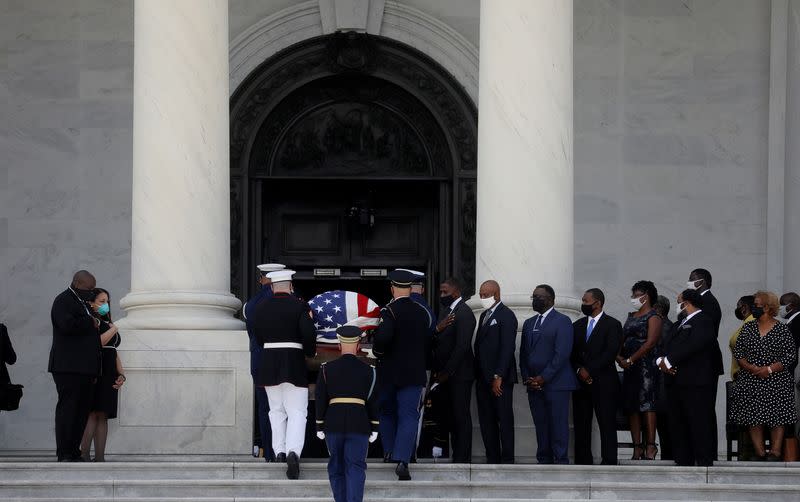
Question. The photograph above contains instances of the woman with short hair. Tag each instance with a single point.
(642, 331)
(764, 388)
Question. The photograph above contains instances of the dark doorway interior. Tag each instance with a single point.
(351, 155)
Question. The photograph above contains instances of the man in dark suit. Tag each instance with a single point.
(544, 355)
(453, 365)
(74, 363)
(496, 374)
(700, 280)
(597, 340)
(401, 344)
(790, 308)
(691, 382)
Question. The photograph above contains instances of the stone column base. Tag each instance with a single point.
(179, 310)
(187, 392)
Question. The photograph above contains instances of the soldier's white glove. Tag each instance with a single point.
(321, 435)
(373, 436)
(437, 452)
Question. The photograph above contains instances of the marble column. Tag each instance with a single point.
(791, 255)
(525, 190)
(186, 358)
(180, 270)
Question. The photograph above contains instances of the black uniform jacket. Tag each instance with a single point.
(284, 319)
(452, 348)
(76, 340)
(401, 342)
(347, 378)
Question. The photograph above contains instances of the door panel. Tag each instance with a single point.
(318, 225)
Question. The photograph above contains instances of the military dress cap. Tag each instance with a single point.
(402, 278)
(280, 275)
(419, 277)
(270, 267)
(348, 334)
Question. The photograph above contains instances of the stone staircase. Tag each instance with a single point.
(246, 479)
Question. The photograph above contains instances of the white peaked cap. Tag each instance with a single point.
(415, 272)
(280, 275)
(271, 267)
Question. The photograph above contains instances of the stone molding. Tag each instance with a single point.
(400, 22)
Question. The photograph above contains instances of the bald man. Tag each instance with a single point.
(74, 363)
(495, 374)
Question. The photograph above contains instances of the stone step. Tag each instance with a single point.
(393, 490)
(756, 473)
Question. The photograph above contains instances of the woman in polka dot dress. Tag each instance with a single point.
(764, 391)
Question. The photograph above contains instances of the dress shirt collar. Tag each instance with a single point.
(704, 292)
(455, 302)
(543, 315)
(791, 318)
(490, 312)
(595, 318)
(690, 316)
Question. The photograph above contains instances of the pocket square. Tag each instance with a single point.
(493, 323)
(686, 326)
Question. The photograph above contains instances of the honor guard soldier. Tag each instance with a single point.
(418, 292)
(401, 344)
(262, 403)
(283, 326)
(347, 416)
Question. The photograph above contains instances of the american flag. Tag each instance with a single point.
(336, 308)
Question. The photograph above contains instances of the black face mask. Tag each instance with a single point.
(446, 301)
(538, 304)
(739, 314)
(757, 312)
(587, 309)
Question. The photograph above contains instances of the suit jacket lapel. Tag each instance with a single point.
(536, 335)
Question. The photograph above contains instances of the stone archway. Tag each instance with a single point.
(408, 86)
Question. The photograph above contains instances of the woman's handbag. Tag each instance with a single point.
(10, 394)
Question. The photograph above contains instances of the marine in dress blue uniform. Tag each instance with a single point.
(262, 403)
(401, 344)
(347, 416)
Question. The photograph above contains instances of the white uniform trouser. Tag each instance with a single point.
(288, 409)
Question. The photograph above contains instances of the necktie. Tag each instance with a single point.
(537, 323)
(589, 329)
(486, 317)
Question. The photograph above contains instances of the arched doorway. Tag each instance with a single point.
(352, 154)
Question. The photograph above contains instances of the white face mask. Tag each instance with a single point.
(679, 308)
(637, 302)
(487, 303)
(782, 312)
(694, 284)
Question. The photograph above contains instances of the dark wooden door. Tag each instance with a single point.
(348, 224)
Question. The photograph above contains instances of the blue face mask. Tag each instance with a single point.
(103, 309)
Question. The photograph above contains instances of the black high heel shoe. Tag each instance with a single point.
(654, 445)
(638, 446)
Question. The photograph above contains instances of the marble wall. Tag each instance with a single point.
(671, 112)
(66, 79)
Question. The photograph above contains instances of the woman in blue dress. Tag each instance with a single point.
(642, 331)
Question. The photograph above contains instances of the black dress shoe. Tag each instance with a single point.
(281, 457)
(293, 471)
(387, 458)
(402, 472)
(774, 458)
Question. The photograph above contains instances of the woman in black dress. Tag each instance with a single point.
(764, 388)
(104, 405)
(637, 358)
